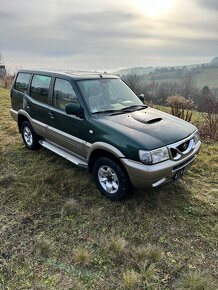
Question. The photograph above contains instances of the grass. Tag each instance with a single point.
(130, 279)
(58, 232)
(82, 256)
(194, 280)
(117, 245)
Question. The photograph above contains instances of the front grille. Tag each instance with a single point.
(182, 148)
(173, 152)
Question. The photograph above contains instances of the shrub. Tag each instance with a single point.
(181, 107)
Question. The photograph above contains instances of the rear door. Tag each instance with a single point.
(37, 103)
(65, 130)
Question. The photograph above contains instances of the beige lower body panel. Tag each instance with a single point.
(14, 114)
(71, 143)
(39, 127)
(145, 176)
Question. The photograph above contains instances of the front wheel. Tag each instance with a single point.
(111, 179)
(29, 136)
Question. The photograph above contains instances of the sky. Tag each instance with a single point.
(107, 35)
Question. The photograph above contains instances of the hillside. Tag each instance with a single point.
(203, 74)
(207, 76)
(58, 232)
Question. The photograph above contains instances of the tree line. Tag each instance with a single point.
(183, 97)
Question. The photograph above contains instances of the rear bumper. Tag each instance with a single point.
(142, 175)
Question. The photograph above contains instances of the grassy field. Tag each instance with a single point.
(58, 232)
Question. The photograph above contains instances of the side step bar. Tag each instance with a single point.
(63, 154)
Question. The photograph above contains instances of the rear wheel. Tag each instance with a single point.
(29, 136)
(111, 179)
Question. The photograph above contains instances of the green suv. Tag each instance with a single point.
(95, 121)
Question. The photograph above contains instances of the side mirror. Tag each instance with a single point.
(74, 109)
(142, 97)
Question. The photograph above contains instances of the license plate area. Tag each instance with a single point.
(179, 174)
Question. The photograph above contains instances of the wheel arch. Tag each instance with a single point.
(20, 120)
(104, 150)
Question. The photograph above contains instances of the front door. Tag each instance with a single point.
(65, 130)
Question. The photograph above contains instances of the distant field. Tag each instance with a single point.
(207, 77)
(204, 77)
(58, 232)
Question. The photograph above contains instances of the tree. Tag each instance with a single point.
(165, 90)
(188, 86)
(209, 105)
(204, 98)
(132, 80)
(1, 59)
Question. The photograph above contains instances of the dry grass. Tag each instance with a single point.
(43, 247)
(117, 244)
(194, 280)
(140, 253)
(131, 279)
(82, 256)
(154, 254)
(151, 241)
(71, 206)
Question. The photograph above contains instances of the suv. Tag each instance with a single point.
(95, 121)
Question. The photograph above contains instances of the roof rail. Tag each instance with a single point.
(76, 72)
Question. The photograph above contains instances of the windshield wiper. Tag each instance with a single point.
(121, 111)
(129, 109)
(106, 111)
(134, 107)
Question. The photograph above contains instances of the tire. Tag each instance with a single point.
(29, 136)
(111, 179)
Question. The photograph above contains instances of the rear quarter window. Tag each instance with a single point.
(22, 82)
(39, 89)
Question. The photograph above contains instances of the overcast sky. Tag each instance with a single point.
(104, 35)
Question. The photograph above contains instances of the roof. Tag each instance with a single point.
(76, 75)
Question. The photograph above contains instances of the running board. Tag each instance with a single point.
(63, 153)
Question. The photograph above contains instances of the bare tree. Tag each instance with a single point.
(209, 104)
(188, 86)
(1, 59)
(132, 80)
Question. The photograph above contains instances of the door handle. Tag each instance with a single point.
(51, 114)
(26, 104)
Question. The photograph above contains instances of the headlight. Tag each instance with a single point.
(154, 156)
(196, 137)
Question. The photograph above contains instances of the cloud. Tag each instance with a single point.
(94, 34)
(211, 4)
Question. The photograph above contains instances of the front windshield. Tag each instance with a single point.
(107, 95)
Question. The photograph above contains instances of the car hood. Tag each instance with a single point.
(149, 127)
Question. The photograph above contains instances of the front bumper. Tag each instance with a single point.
(142, 175)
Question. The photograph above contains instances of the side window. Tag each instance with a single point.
(22, 82)
(40, 88)
(63, 94)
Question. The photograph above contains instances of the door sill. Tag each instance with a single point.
(63, 154)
